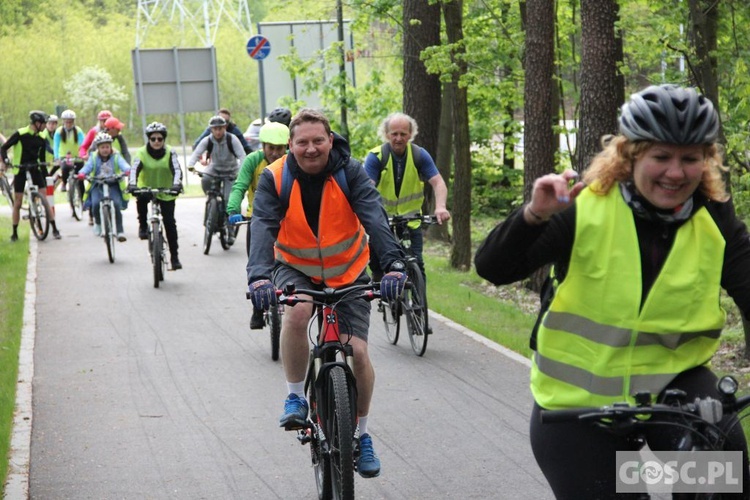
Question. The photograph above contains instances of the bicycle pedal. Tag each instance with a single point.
(304, 436)
(25, 217)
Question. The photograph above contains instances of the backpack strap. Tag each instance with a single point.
(287, 181)
(210, 146)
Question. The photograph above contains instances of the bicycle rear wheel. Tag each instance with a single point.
(108, 231)
(212, 219)
(339, 429)
(156, 253)
(416, 309)
(39, 215)
(274, 323)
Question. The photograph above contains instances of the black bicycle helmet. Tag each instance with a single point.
(281, 115)
(37, 116)
(156, 127)
(217, 121)
(671, 114)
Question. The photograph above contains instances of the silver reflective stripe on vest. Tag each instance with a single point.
(335, 271)
(605, 386)
(403, 200)
(618, 337)
(317, 253)
(308, 270)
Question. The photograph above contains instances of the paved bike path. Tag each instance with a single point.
(165, 393)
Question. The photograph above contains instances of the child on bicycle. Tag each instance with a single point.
(104, 161)
(641, 250)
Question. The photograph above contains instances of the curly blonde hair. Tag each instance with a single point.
(615, 164)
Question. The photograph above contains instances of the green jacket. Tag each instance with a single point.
(246, 182)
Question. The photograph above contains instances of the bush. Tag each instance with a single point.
(496, 188)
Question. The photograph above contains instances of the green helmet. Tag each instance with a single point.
(274, 133)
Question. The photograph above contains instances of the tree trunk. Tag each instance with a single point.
(539, 153)
(704, 22)
(421, 98)
(461, 248)
(443, 158)
(601, 88)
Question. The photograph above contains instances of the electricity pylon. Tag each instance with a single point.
(201, 16)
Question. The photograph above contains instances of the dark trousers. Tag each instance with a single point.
(417, 246)
(167, 213)
(579, 460)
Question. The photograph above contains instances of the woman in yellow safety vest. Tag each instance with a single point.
(641, 249)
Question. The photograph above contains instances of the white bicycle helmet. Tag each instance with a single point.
(102, 138)
(217, 121)
(156, 127)
(68, 114)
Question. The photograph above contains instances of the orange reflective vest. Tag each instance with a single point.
(339, 253)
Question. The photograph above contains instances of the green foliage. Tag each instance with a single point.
(496, 189)
(92, 89)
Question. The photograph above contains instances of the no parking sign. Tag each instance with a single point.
(258, 47)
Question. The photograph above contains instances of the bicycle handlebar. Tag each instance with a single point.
(169, 191)
(288, 295)
(708, 409)
(29, 165)
(425, 219)
(101, 179)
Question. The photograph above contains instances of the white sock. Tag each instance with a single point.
(297, 388)
(362, 421)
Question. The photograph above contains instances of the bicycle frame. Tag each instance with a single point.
(107, 212)
(332, 391)
(215, 217)
(156, 240)
(40, 213)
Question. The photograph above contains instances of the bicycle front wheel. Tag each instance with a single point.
(339, 429)
(212, 219)
(75, 197)
(7, 191)
(156, 253)
(416, 309)
(39, 215)
(391, 320)
(274, 323)
(108, 231)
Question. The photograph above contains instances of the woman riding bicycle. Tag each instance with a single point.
(109, 163)
(640, 253)
(68, 139)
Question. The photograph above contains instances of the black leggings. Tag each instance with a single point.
(167, 214)
(579, 460)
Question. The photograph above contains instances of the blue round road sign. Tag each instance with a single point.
(258, 47)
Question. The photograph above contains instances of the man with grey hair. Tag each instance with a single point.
(399, 168)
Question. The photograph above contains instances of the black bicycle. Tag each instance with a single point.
(75, 187)
(331, 390)
(413, 304)
(215, 215)
(157, 246)
(698, 419)
(39, 211)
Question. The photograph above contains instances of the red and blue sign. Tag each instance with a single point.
(258, 47)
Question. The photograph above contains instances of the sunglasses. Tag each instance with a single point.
(156, 139)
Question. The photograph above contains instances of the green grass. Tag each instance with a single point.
(13, 258)
(458, 296)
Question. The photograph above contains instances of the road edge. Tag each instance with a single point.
(19, 459)
(482, 339)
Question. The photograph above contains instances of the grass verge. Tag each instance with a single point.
(13, 259)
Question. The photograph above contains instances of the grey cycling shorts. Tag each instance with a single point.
(353, 316)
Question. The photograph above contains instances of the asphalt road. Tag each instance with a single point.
(165, 393)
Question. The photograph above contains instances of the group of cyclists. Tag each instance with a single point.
(640, 246)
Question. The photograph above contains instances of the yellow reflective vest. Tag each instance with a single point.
(597, 345)
(410, 198)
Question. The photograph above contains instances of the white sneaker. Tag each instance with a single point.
(97, 230)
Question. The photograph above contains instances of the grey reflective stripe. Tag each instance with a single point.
(590, 330)
(650, 383)
(318, 253)
(604, 386)
(613, 336)
(403, 200)
(308, 270)
(673, 340)
(335, 271)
